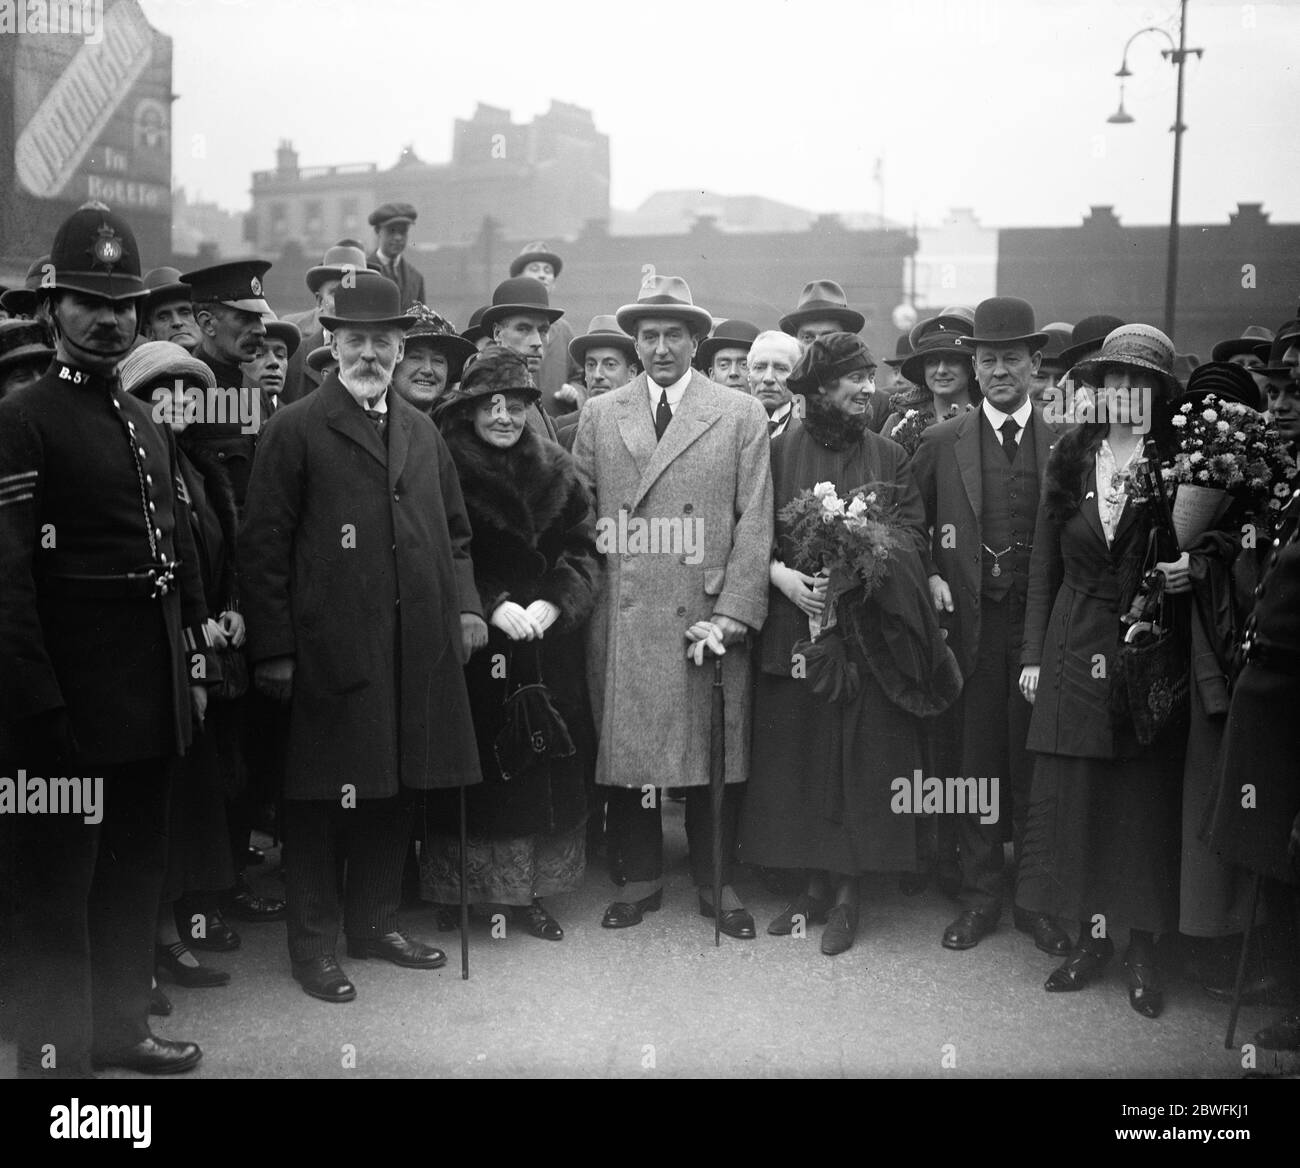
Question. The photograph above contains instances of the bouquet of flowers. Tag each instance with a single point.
(849, 540)
(1225, 449)
(915, 422)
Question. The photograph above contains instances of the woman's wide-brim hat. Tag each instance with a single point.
(534, 253)
(730, 334)
(668, 297)
(828, 359)
(822, 300)
(1086, 337)
(602, 333)
(1228, 382)
(495, 369)
(147, 363)
(1132, 346)
(371, 301)
(1005, 320)
(519, 294)
(435, 330)
(335, 264)
(936, 344)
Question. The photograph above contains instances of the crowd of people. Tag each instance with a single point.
(454, 612)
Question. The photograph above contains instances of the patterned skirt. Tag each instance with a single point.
(510, 870)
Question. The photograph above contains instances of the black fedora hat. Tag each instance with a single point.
(1288, 334)
(602, 333)
(22, 301)
(533, 253)
(1087, 336)
(1226, 381)
(371, 300)
(335, 264)
(24, 340)
(1005, 320)
(730, 334)
(519, 294)
(823, 300)
(1254, 339)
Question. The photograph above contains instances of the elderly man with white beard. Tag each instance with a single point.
(771, 358)
(361, 611)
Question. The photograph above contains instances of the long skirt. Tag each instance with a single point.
(1103, 836)
(820, 778)
(198, 848)
(510, 870)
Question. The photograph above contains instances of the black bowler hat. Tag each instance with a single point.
(24, 341)
(1087, 336)
(283, 330)
(22, 301)
(474, 331)
(533, 253)
(902, 351)
(95, 252)
(1225, 380)
(393, 213)
(372, 299)
(1004, 320)
(517, 295)
(319, 358)
(730, 334)
(236, 284)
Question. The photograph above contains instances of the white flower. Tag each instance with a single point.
(1281, 490)
(1196, 456)
(1178, 420)
(821, 490)
(1239, 436)
(1185, 408)
(1210, 415)
(857, 507)
(1222, 427)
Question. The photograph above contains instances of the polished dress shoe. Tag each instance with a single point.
(152, 1056)
(1048, 935)
(735, 922)
(539, 922)
(1080, 969)
(1284, 1034)
(193, 977)
(323, 978)
(621, 915)
(245, 905)
(969, 929)
(398, 948)
(841, 929)
(810, 908)
(1145, 993)
(159, 1004)
(218, 937)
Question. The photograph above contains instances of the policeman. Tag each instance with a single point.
(229, 309)
(101, 630)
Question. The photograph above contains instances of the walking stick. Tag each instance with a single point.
(464, 893)
(1241, 963)
(717, 779)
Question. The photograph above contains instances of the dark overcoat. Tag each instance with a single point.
(534, 539)
(948, 472)
(355, 561)
(72, 504)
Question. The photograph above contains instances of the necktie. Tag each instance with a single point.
(663, 415)
(1009, 430)
(773, 425)
(379, 419)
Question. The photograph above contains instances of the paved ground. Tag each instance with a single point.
(660, 1000)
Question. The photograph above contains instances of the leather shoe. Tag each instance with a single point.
(152, 1056)
(1081, 968)
(159, 1004)
(539, 922)
(218, 937)
(841, 929)
(192, 977)
(398, 948)
(1047, 934)
(735, 922)
(621, 915)
(1145, 994)
(1284, 1034)
(969, 929)
(245, 905)
(323, 978)
(810, 908)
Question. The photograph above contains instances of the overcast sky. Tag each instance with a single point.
(999, 105)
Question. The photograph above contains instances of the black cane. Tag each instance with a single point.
(1241, 963)
(717, 779)
(464, 893)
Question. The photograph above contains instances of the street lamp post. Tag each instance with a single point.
(1177, 54)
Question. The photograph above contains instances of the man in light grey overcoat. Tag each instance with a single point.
(684, 509)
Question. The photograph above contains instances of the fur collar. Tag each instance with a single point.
(831, 427)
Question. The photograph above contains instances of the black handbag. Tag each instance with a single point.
(1153, 674)
(534, 730)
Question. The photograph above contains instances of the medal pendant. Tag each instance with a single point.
(997, 570)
